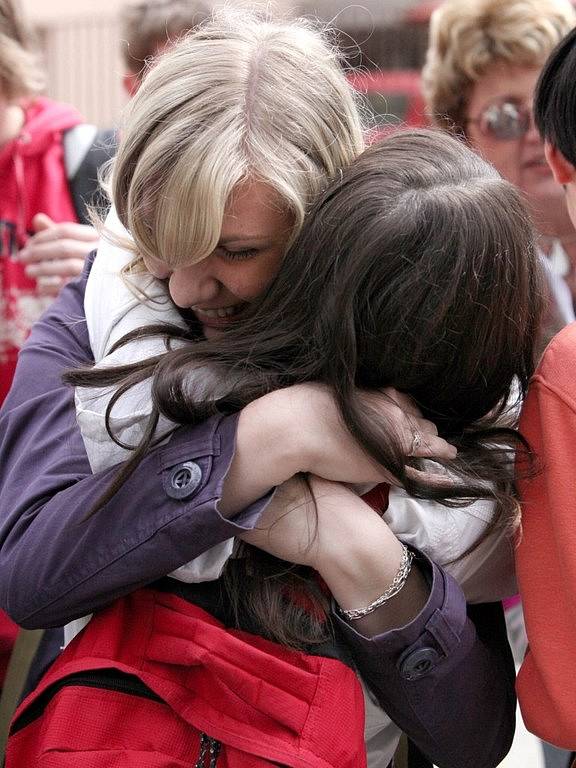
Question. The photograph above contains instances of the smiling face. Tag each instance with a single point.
(519, 160)
(255, 230)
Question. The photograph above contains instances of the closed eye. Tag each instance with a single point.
(239, 255)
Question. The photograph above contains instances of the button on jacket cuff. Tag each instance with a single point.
(420, 646)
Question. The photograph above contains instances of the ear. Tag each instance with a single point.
(563, 170)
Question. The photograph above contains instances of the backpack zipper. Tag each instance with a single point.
(209, 749)
(111, 680)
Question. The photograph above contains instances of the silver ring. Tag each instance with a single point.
(416, 442)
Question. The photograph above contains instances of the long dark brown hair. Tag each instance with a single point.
(415, 270)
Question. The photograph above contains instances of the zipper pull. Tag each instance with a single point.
(209, 747)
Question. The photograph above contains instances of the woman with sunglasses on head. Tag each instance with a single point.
(483, 62)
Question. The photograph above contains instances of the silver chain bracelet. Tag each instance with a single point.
(397, 583)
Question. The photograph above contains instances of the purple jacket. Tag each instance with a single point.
(446, 678)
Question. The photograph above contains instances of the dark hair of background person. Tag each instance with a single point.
(555, 98)
(416, 270)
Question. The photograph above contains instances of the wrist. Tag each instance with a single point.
(359, 560)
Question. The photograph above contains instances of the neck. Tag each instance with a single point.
(11, 124)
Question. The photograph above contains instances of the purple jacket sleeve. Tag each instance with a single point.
(56, 564)
(447, 678)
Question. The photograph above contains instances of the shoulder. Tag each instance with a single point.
(557, 368)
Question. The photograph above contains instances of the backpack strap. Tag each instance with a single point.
(25, 647)
(86, 149)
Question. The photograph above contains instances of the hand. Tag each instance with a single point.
(311, 521)
(299, 429)
(288, 527)
(324, 446)
(56, 252)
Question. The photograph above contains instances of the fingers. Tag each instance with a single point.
(424, 426)
(434, 447)
(425, 442)
(59, 241)
(42, 221)
(403, 401)
(441, 481)
(61, 268)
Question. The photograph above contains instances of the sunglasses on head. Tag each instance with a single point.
(504, 121)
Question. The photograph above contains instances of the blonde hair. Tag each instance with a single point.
(147, 25)
(466, 38)
(240, 98)
(20, 72)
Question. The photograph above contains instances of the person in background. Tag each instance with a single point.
(31, 142)
(482, 64)
(35, 193)
(148, 27)
(546, 554)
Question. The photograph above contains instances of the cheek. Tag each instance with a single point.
(251, 279)
(571, 203)
(503, 155)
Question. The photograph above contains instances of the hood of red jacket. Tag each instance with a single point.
(44, 118)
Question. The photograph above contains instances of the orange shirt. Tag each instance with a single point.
(546, 555)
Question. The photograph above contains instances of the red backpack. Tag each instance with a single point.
(156, 681)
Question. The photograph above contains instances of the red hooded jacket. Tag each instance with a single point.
(33, 181)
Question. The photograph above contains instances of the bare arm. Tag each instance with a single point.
(299, 429)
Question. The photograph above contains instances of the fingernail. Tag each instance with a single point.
(31, 270)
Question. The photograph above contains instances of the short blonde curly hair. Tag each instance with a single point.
(466, 38)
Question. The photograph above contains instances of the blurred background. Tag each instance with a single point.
(387, 37)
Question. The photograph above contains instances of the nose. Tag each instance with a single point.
(193, 285)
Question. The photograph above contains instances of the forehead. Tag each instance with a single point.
(255, 211)
(504, 81)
